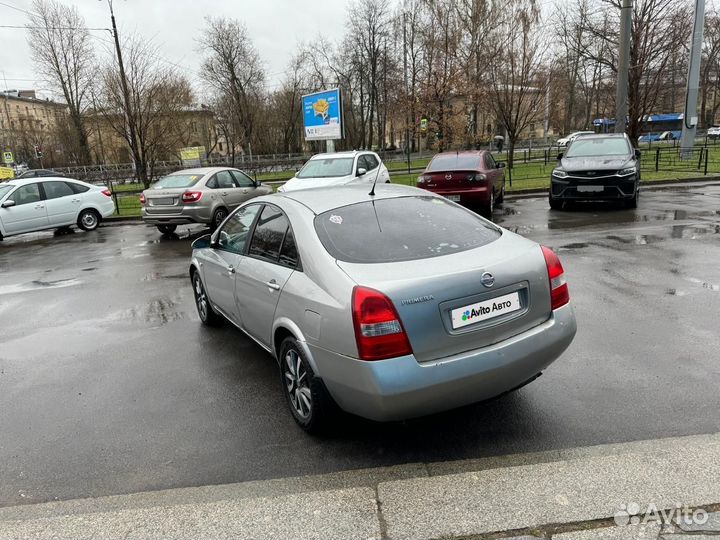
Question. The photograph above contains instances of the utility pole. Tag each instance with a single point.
(690, 119)
(621, 96)
(129, 122)
(546, 124)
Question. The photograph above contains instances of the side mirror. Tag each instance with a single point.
(560, 156)
(637, 153)
(202, 242)
(8, 203)
(361, 172)
(502, 165)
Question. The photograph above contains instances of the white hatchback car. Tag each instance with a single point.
(325, 170)
(35, 204)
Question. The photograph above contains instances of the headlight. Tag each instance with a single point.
(628, 171)
(559, 173)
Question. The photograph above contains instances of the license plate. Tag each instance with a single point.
(482, 311)
(453, 198)
(168, 201)
(590, 189)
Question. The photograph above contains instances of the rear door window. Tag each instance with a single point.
(269, 233)
(56, 190)
(401, 229)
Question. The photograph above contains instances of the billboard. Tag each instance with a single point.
(192, 156)
(322, 115)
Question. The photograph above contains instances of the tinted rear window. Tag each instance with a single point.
(454, 162)
(401, 229)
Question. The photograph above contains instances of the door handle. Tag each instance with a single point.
(39, 207)
(231, 270)
(245, 190)
(224, 194)
(273, 285)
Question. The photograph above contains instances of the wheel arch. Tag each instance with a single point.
(284, 328)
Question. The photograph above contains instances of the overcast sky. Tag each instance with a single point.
(277, 26)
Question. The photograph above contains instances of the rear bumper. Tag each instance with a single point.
(187, 214)
(402, 388)
(471, 195)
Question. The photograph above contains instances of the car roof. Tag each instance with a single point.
(203, 170)
(604, 136)
(346, 154)
(23, 181)
(319, 200)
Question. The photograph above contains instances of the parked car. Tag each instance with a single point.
(39, 173)
(473, 179)
(204, 195)
(598, 167)
(670, 135)
(714, 132)
(29, 205)
(390, 306)
(570, 138)
(324, 170)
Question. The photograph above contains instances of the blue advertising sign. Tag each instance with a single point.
(322, 115)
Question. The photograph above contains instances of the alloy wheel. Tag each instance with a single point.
(200, 298)
(296, 384)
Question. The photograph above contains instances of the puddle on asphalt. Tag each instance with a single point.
(705, 284)
(38, 284)
(575, 245)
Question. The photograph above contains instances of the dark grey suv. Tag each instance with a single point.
(597, 167)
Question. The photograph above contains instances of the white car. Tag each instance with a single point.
(35, 204)
(714, 132)
(324, 170)
(570, 138)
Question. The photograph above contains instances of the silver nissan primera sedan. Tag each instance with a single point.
(391, 306)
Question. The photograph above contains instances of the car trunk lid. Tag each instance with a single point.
(448, 179)
(444, 306)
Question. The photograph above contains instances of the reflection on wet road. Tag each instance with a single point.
(108, 384)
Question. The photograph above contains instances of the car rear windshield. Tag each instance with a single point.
(326, 168)
(177, 181)
(598, 147)
(454, 162)
(401, 229)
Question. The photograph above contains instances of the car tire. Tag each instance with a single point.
(309, 401)
(633, 203)
(218, 217)
(555, 204)
(166, 229)
(88, 220)
(208, 316)
(489, 207)
(501, 198)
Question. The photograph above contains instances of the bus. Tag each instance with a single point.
(656, 127)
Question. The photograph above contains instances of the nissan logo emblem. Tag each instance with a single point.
(487, 279)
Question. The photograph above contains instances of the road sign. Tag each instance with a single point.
(423, 124)
(8, 157)
(322, 115)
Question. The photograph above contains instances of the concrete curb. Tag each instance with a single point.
(542, 494)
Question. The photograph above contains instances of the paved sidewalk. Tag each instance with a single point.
(577, 494)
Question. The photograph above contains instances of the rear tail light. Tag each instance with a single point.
(422, 179)
(191, 196)
(106, 192)
(142, 198)
(477, 177)
(559, 293)
(378, 331)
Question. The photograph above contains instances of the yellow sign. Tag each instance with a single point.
(6, 173)
(192, 153)
(8, 157)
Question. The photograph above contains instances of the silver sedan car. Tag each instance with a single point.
(203, 195)
(389, 306)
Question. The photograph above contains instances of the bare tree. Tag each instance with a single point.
(158, 97)
(233, 67)
(518, 78)
(61, 48)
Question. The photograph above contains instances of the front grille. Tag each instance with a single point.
(590, 175)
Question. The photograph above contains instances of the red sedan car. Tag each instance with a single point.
(473, 179)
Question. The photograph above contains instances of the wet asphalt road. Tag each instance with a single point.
(108, 383)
